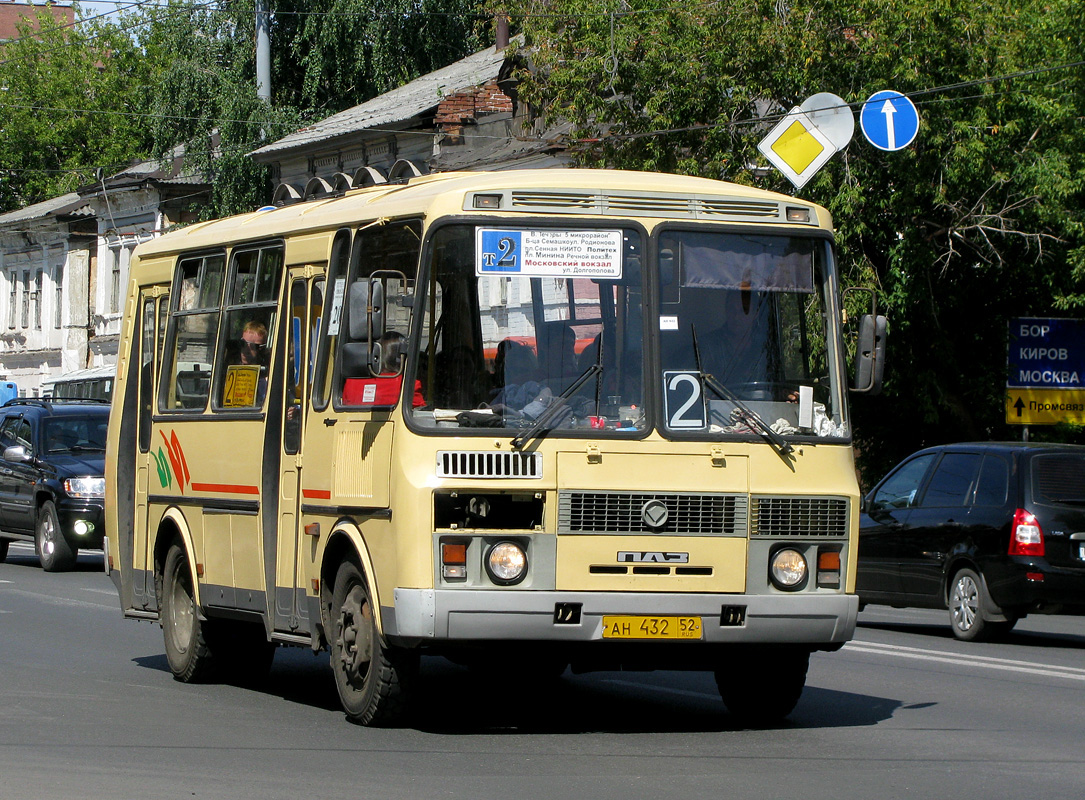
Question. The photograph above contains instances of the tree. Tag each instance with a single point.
(67, 108)
(324, 60)
(980, 220)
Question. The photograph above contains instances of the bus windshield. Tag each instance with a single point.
(513, 346)
(502, 346)
(743, 326)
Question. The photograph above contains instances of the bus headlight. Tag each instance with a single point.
(506, 563)
(85, 488)
(788, 569)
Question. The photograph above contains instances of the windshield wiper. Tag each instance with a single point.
(542, 424)
(778, 442)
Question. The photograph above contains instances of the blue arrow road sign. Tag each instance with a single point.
(889, 120)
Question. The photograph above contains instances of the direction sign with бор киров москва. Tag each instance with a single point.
(1045, 381)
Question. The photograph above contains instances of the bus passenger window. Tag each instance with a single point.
(248, 328)
(190, 347)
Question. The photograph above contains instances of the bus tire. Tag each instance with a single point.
(371, 677)
(764, 686)
(54, 552)
(187, 651)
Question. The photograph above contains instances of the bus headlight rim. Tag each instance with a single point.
(506, 563)
(788, 569)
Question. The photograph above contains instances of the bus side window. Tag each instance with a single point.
(248, 327)
(190, 346)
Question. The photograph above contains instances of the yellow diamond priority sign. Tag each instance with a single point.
(797, 148)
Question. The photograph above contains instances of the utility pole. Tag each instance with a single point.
(263, 52)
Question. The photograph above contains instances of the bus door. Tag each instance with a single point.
(154, 306)
(305, 303)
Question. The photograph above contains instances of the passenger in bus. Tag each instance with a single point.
(250, 350)
(730, 339)
(254, 344)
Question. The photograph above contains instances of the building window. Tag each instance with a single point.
(58, 287)
(120, 258)
(13, 300)
(25, 305)
(35, 298)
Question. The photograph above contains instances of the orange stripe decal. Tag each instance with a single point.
(316, 494)
(225, 488)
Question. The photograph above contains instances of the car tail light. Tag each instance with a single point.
(1026, 535)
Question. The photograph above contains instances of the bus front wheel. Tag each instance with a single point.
(763, 685)
(371, 676)
(187, 651)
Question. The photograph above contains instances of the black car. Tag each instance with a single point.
(991, 531)
(52, 484)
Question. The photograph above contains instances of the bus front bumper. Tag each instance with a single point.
(448, 616)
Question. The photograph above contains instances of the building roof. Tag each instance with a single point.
(399, 105)
(56, 206)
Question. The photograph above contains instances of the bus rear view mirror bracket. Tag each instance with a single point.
(366, 318)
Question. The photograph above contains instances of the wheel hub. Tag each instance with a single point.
(355, 634)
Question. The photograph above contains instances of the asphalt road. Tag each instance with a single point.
(88, 709)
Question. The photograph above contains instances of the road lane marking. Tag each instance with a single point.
(988, 662)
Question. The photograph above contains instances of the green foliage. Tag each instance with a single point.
(980, 220)
(326, 57)
(65, 108)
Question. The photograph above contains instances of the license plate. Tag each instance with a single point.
(629, 627)
(1081, 551)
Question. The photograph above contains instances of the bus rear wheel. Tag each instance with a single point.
(187, 651)
(371, 676)
(762, 686)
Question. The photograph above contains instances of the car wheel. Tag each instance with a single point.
(372, 677)
(187, 651)
(763, 686)
(4, 549)
(967, 600)
(54, 552)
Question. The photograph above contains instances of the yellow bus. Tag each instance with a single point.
(528, 419)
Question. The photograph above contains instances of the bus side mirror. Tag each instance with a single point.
(870, 354)
(366, 319)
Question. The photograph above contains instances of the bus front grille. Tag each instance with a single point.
(642, 512)
(788, 517)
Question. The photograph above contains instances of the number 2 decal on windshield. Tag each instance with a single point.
(683, 400)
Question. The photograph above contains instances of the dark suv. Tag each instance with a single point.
(991, 531)
(52, 485)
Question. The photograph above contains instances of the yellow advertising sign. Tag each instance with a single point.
(239, 387)
(1044, 406)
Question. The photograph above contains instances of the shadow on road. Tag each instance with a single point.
(454, 700)
(1021, 638)
(23, 556)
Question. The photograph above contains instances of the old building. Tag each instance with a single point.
(64, 269)
(462, 117)
(12, 13)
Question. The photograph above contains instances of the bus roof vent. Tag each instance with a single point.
(631, 204)
(488, 464)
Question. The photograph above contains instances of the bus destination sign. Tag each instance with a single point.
(1045, 378)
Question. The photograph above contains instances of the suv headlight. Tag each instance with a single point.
(86, 488)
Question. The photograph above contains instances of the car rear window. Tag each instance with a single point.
(1058, 478)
